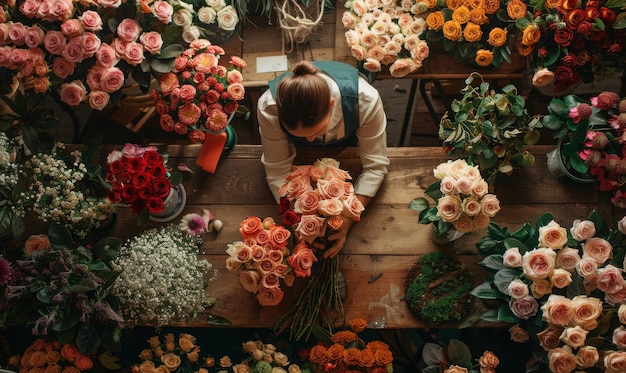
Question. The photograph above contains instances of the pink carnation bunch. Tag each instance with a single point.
(199, 95)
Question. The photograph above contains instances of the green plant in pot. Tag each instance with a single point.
(12, 204)
(490, 129)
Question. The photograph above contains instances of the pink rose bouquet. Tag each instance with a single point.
(317, 200)
(562, 287)
(463, 201)
(199, 95)
(264, 258)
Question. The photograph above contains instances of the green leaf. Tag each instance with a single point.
(87, 339)
(109, 361)
(419, 204)
(485, 291)
(162, 65)
(493, 261)
(107, 248)
(217, 320)
(67, 322)
(490, 315)
(614, 4)
(505, 314)
(30, 137)
(599, 23)
(43, 295)
(60, 237)
(620, 21)
(459, 354)
(503, 278)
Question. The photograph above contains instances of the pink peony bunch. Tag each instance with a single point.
(199, 94)
(264, 258)
(318, 197)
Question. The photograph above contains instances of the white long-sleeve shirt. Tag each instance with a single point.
(279, 152)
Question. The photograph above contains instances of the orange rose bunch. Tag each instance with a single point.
(264, 259)
(199, 95)
(51, 356)
(348, 353)
(564, 287)
(476, 31)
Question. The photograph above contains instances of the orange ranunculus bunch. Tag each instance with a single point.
(51, 356)
(199, 95)
(264, 258)
(573, 41)
(476, 31)
(387, 33)
(349, 353)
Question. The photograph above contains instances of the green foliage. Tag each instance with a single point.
(489, 129)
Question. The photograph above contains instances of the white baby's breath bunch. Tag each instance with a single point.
(162, 278)
(61, 191)
(8, 168)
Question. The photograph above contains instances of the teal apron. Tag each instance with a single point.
(347, 78)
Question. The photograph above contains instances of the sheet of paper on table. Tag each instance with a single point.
(269, 64)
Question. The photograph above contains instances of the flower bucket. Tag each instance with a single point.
(559, 168)
(214, 147)
(174, 205)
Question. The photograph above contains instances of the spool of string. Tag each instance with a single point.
(297, 22)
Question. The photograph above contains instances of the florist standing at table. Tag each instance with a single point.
(324, 103)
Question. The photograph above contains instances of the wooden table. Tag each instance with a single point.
(388, 240)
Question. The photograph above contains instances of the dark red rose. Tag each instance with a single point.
(230, 107)
(124, 177)
(593, 3)
(542, 52)
(570, 60)
(136, 164)
(161, 187)
(616, 49)
(116, 167)
(564, 74)
(290, 218)
(129, 194)
(154, 205)
(117, 185)
(551, 25)
(137, 206)
(157, 171)
(607, 15)
(583, 58)
(141, 180)
(570, 4)
(597, 34)
(592, 13)
(584, 28)
(114, 196)
(146, 193)
(564, 36)
(153, 158)
(579, 44)
(283, 205)
(574, 17)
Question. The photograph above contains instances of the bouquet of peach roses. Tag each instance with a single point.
(264, 259)
(317, 200)
(463, 203)
(564, 287)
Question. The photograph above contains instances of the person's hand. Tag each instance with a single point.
(339, 238)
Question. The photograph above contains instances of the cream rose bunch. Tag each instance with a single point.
(386, 33)
(563, 286)
(263, 258)
(463, 202)
(169, 353)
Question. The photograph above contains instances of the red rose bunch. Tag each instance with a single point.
(264, 259)
(199, 94)
(575, 40)
(138, 178)
(317, 197)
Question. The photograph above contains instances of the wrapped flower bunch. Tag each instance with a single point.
(463, 201)
(199, 95)
(561, 287)
(386, 33)
(264, 258)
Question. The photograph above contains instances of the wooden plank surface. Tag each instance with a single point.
(388, 240)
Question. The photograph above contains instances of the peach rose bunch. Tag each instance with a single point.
(477, 32)
(264, 258)
(199, 95)
(172, 354)
(463, 201)
(386, 33)
(347, 352)
(563, 287)
(51, 356)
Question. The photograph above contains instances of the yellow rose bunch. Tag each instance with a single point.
(476, 31)
(561, 286)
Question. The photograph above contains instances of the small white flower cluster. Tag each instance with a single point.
(162, 278)
(213, 12)
(9, 175)
(57, 194)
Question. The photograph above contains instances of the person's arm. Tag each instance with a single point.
(372, 135)
(278, 152)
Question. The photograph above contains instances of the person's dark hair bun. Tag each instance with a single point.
(304, 68)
